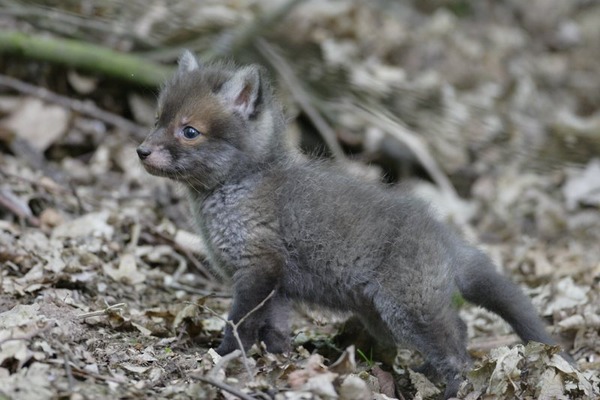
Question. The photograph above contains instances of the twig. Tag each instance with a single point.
(107, 310)
(210, 278)
(35, 158)
(301, 97)
(235, 334)
(200, 292)
(399, 131)
(85, 108)
(182, 329)
(223, 362)
(17, 206)
(84, 373)
(55, 187)
(197, 264)
(136, 229)
(486, 344)
(232, 42)
(181, 268)
(76, 371)
(226, 387)
(69, 373)
(235, 326)
(260, 305)
(32, 334)
(52, 189)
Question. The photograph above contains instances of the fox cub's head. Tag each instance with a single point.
(211, 120)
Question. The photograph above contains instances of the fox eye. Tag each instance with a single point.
(190, 132)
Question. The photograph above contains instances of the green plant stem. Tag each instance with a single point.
(86, 56)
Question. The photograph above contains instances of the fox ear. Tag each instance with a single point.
(242, 92)
(187, 63)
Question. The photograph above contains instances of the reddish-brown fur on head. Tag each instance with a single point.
(226, 105)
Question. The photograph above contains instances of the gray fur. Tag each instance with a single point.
(273, 220)
(187, 63)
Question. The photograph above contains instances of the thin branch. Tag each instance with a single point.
(226, 387)
(200, 292)
(69, 373)
(209, 280)
(486, 344)
(136, 230)
(35, 158)
(106, 311)
(223, 362)
(301, 97)
(399, 131)
(83, 373)
(235, 335)
(235, 326)
(54, 188)
(230, 43)
(17, 206)
(196, 263)
(260, 305)
(83, 107)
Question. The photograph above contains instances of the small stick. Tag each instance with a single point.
(234, 327)
(69, 373)
(17, 206)
(235, 334)
(200, 292)
(107, 310)
(487, 344)
(301, 97)
(53, 189)
(76, 371)
(227, 388)
(182, 330)
(210, 279)
(262, 303)
(399, 131)
(85, 108)
(84, 373)
(223, 362)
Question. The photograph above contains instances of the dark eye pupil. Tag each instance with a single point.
(190, 133)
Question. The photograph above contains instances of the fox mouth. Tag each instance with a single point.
(158, 171)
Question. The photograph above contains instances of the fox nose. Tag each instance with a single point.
(143, 152)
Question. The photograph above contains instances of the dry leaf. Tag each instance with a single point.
(40, 124)
(126, 272)
(583, 188)
(345, 363)
(82, 84)
(354, 388)
(29, 383)
(425, 389)
(92, 224)
(386, 381)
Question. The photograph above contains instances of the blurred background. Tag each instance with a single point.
(489, 109)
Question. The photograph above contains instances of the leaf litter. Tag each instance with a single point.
(105, 287)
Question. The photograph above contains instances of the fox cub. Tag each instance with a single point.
(273, 220)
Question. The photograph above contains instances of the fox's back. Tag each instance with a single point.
(344, 231)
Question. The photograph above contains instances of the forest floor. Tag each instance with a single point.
(104, 290)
